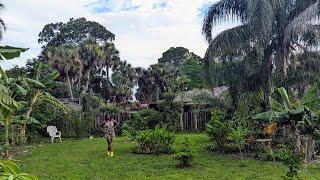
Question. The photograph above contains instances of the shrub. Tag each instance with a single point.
(157, 141)
(142, 120)
(11, 170)
(292, 162)
(218, 129)
(186, 154)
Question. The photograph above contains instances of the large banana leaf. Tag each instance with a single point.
(9, 52)
(269, 115)
(21, 119)
(285, 98)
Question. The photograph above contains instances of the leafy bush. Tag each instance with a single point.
(292, 162)
(218, 129)
(142, 120)
(11, 170)
(157, 141)
(237, 136)
(186, 154)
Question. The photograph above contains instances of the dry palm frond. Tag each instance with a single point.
(303, 22)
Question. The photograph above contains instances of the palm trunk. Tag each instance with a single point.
(87, 80)
(108, 64)
(267, 68)
(70, 93)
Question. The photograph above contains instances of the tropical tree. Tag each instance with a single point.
(74, 32)
(302, 115)
(123, 80)
(92, 56)
(38, 89)
(8, 106)
(274, 27)
(2, 24)
(67, 62)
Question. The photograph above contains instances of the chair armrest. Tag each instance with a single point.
(59, 133)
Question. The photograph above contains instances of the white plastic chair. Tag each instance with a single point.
(53, 132)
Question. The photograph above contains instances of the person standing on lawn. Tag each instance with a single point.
(108, 126)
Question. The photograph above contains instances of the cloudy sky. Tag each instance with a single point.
(144, 29)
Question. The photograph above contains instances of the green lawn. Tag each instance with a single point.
(85, 159)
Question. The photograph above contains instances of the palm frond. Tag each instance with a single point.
(303, 22)
(220, 12)
(229, 40)
(261, 15)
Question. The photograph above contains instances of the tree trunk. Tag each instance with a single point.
(297, 141)
(24, 129)
(69, 84)
(6, 138)
(87, 80)
(108, 64)
(267, 68)
(309, 149)
(181, 115)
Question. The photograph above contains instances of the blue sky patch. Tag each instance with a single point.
(160, 5)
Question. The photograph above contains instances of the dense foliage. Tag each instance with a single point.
(157, 141)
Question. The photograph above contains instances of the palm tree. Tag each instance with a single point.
(123, 80)
(275, 26)
(66, 61)
(112, 57)
(92, 56)
(2, 24)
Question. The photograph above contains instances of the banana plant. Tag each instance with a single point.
(11, 170)
(300, 114)
(8, 106)
(38, 90)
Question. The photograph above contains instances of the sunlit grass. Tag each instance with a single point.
(85, 159)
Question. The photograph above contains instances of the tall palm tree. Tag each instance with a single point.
(275, 26)
(66, 61)
(123, 80)
(112, 57)
(2, 24)
(92, 56)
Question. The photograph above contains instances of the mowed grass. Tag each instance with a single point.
(85, 159)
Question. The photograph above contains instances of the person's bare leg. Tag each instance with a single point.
(109, 145)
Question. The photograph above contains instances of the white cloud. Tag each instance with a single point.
(143, 31)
